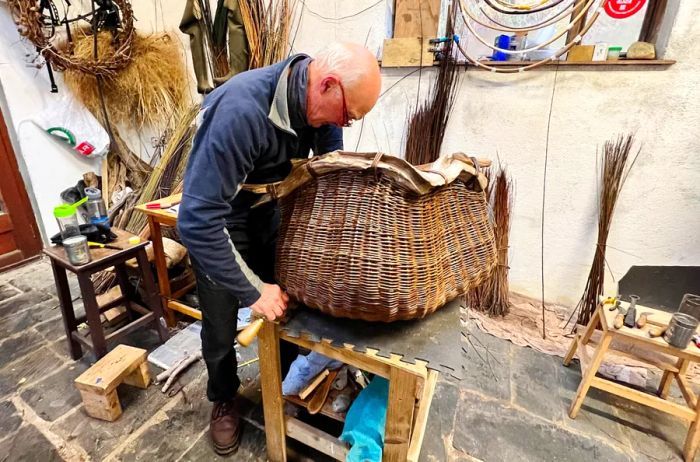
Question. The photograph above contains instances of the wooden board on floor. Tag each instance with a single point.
(416, 18)
(406, 52)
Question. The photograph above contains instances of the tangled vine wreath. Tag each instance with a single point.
(33, 24)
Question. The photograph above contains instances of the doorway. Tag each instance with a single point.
(19, 235)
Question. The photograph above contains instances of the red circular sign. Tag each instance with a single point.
(620, 9)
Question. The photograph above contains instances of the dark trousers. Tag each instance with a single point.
(255, 242)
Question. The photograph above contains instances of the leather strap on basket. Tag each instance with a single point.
(375, 164)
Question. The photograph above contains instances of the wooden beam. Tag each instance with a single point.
(644, 398)
(399, 415)
(421, 420)
(315, 438)
(271, 384)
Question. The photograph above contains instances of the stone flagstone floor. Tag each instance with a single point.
(511, 404)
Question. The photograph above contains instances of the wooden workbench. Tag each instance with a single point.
(674, 362)
(156, 219)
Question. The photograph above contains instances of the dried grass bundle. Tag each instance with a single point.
(146, 92)
(614, 171)
(492, 296)
(427, 125)
(168, 173)
(267, 24)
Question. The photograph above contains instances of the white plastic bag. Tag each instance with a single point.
(73, 126)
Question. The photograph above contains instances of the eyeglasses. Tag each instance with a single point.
(347, 121)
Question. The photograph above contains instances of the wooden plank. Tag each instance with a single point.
(271, 384)
(589, 375)
(644, 398)
(421, 420)
(399, 415)
(406, 52)
(687, 392)
(103, 407)
(315, 438)
(416, 18)
(108, 372)
(184, 309)
(132, 326)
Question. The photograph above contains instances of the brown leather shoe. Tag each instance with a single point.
(225, 427)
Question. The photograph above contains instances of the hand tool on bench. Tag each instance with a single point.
(321, 395)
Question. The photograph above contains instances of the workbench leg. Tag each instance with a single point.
(92, 312)
(65, 301)
(589, 375)
(693, 439)
(153, 300)
(399, 415)
(586, 337)
(271, 382)
(161, 269)
(667, 380)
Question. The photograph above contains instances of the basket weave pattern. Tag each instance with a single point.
(355, 245)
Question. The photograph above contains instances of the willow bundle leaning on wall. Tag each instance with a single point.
(614, 171)
(492, 296)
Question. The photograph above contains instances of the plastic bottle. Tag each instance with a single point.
(97, 211)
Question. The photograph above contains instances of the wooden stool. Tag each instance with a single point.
(411, 388)
(98, 385)
(674, 363)
(103, 259)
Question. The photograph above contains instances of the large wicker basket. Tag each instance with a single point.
(371, 237)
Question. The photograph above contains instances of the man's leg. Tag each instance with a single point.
(219, 318)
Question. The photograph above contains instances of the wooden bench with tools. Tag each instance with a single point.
(98, 385)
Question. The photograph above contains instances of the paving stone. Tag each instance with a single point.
(653, 434)
(252, 448)
(14, 348)
(535, 384)
(33, 367)
(46, 310)
(56, 394)
(22, 302)
(99, 437)
(28, 445)
(183, 425)
(486, 364)
(7, 291)
(39, 277)
(52, 330)
(440, 422)
(9, 419)
(598, 414)
(492, 431)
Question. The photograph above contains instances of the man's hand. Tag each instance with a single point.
(272, 302)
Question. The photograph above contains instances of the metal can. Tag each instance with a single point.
(680, 330)
(77, 250)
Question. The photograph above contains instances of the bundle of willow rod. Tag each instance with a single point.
(267, 24)
(492, 296)
(614, 170)
(427, 125)
(170, 168)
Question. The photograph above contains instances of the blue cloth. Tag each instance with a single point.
(364, 422)
(304, 369)
(249, 130)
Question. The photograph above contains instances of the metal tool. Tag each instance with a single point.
(631, 316)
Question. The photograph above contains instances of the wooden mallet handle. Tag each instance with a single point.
(247, 335)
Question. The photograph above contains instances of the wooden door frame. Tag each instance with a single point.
(18, 205)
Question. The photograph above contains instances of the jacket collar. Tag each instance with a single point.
(279, 110)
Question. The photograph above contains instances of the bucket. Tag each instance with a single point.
(690, 305)
(680, 330)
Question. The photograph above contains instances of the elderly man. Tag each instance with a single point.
(249, 130)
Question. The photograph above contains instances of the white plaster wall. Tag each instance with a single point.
(502, 116)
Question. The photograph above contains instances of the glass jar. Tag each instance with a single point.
(67, 221)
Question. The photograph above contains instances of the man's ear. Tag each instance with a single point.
(328, 83)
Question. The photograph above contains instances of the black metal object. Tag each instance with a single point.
(434, 339)
(631, 316)
(661, 287)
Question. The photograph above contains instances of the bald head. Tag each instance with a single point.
(343, 85)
